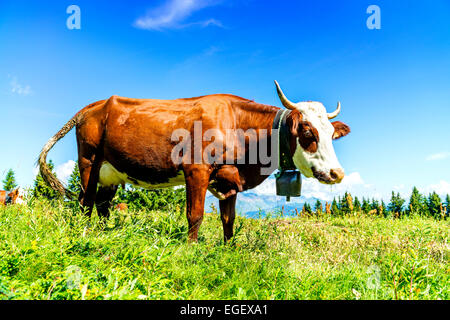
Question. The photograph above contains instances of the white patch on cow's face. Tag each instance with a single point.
(20, 197)
(324, 159)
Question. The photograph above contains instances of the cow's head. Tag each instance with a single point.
(312, 136)
(17, 196)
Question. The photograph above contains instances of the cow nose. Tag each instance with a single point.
(337, 175)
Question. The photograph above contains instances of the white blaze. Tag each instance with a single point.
(324, 159)
(20, 197)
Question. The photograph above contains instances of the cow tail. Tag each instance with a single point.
(44, 169)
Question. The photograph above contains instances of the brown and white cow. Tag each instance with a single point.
(123, 140)
(15, 196)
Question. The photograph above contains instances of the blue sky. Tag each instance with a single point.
(393, 83)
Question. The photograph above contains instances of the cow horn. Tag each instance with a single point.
(335, 113)
(288, 104)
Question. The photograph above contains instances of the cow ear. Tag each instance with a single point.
(340, 129)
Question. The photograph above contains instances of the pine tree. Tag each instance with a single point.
(424, 205)
(74, 182)
(356, 205)
(307, 208)
(396, 204)
(346, 204)
(365, 206)
(434, 205)
(447, 205)
(415, 206)
(383, 210)
(41, 189)
(334, 207)
(375, 206)
(9, 183)
(318, 207)
(137, 198)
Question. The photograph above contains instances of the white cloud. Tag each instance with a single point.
(64, 170)
(442, 188)
(211, 22)
(267, 188)
(172, 14)
(18, 88)
(35, 171)
(352, 183)
(438, 156)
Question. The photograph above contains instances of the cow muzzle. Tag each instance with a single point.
(333, 177)
(337, 175)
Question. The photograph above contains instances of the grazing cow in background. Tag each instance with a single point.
(12, 197)
(123, 140)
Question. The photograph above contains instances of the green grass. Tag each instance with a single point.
(50, 252)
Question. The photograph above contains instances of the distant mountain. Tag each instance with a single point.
(252, 205)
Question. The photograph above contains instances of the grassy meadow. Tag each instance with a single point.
(50, 251)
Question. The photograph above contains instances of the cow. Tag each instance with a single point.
(125, 140)
(15, 196)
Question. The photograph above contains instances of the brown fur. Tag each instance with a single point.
(340, 129)
(3, 196)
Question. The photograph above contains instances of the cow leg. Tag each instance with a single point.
(227, 215)
(197, 181)
(103, 200)
(89, 174)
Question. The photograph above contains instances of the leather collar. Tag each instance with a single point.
(285, 161)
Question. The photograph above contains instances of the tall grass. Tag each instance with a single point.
(49, 251)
